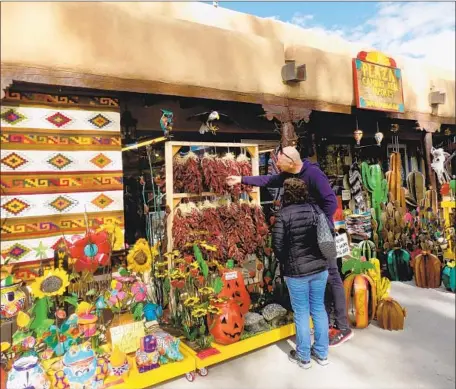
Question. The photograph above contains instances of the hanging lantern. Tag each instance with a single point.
(358, 135)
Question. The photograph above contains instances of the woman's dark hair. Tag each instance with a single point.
(295, 191)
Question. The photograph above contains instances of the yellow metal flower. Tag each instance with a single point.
(194, 265)
(53, 283)
(206, 290)
(22, 319)
(176, 274)
(199, 312)
(191, 301)
(217, 300)
(139, 258)
(116, 235)
(214, 310)
(161, 274)
(85, 308)
(4, 346)
(208, 247)
(161, 264)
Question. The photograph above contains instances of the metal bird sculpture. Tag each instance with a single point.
(207, 120)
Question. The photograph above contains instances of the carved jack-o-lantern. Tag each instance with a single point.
(227, 327)
(234, 288)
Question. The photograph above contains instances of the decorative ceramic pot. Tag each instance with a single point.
(81, 369)
(27, 373)
(87, 325)
(147, 356)
(12, 300)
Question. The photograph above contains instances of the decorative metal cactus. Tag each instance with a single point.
(416, 189)
(393, 232)
(377, 186)
(394, 178)
(431, 200)
(368, 249)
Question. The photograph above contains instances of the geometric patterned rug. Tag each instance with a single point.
(61, 165)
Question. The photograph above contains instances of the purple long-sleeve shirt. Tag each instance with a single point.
(320, 192)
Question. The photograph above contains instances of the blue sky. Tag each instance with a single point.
(420, 30)
(327, 13)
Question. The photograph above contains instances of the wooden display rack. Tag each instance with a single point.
(237, 349)
(173, 199)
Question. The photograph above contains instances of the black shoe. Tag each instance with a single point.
(293, 357)
(316, 358)
(340, 337)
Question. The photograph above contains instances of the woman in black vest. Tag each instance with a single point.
(305, 270)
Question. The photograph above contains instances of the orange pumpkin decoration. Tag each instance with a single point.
(361, 299)
(234, 287)
(227, 327)
(390, 315)
(427, 270)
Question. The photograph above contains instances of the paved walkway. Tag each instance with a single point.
(421, 356)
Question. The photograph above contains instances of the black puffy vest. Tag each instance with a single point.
(295, 244)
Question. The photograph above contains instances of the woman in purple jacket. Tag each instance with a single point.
(320, 193)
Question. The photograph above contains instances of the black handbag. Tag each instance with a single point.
(325, 235)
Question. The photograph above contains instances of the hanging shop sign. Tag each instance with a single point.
(378, 83)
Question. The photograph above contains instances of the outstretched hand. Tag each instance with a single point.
(233, 180)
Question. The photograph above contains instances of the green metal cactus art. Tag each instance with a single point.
(377, 186)
(368, 249)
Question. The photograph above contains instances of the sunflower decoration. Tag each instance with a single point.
(199, 312)
(116, 236)
(53, 283)
(161, 273)
(214, 310)
(140, 257)
(206, 291)
(217, 300)
(176, 274)
(191, 301)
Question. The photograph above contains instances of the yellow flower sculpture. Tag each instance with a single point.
(22, 319)
(53, 283)
(199, 312)
(116, 235)
(191, 301)
(140, 256)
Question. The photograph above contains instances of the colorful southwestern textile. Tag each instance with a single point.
(61, 165)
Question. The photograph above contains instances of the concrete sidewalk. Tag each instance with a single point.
(421, 356)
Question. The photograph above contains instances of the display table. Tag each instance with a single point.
(239, 348)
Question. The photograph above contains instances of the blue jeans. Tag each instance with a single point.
(307, 296)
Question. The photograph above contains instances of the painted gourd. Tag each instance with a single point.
(449, 278)
(361, 299)
(427, 268)
(234, 287)
(390, 315)
(227, 327)
(399, 265)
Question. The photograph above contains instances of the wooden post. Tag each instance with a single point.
(427, 150)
